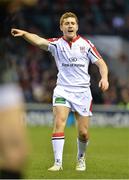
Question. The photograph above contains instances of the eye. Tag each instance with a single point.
(73, 23)
(66, 23)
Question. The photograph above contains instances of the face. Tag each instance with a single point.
(69, 28)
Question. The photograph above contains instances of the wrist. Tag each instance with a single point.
(104, 78)
(24, 34)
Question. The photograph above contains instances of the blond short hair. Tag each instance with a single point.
(67, 15)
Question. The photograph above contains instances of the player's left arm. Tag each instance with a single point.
(103, 69)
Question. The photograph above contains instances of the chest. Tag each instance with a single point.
(74, 50)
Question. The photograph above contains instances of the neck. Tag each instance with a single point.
(70, 39)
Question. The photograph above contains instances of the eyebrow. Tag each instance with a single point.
(69, 22)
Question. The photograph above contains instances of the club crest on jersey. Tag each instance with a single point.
(82, 49)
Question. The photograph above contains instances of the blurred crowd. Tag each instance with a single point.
(95, 16)
(35, 70)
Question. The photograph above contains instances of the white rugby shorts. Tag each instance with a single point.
(10, 95)
(80, 102)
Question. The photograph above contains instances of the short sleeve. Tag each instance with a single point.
(52, 47)
(93, 54)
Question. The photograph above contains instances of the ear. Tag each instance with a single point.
(77, 27)
(61, 28)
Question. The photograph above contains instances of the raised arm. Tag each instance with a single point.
(31, 38)
(103, 83)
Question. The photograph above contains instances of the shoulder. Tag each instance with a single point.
(54, 39)
(86, 41)
(53, 43)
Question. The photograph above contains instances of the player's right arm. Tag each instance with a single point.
(31, 38)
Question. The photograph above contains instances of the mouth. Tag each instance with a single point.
(70, 31)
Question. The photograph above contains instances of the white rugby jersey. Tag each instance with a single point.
(72, 60)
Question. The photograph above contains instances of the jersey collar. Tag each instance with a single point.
(73, 40)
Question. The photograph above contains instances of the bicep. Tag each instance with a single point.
(100, 62)
(43, 44)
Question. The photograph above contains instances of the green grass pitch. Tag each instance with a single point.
(107, 154)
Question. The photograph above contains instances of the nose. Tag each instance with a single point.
(70, 25)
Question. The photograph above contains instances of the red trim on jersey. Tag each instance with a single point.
(53, 39)
(93, 47)
(91, 106)
(58, 134)
(86, 40)
(70, 43)
(96, 52)
(73, 40)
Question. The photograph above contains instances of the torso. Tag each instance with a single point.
(72, 62)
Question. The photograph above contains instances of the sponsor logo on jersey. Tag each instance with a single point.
(73, 65)
(60, 100)
(73, 59)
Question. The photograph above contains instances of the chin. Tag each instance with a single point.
(70, 37)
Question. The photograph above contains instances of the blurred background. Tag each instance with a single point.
(103, 22)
